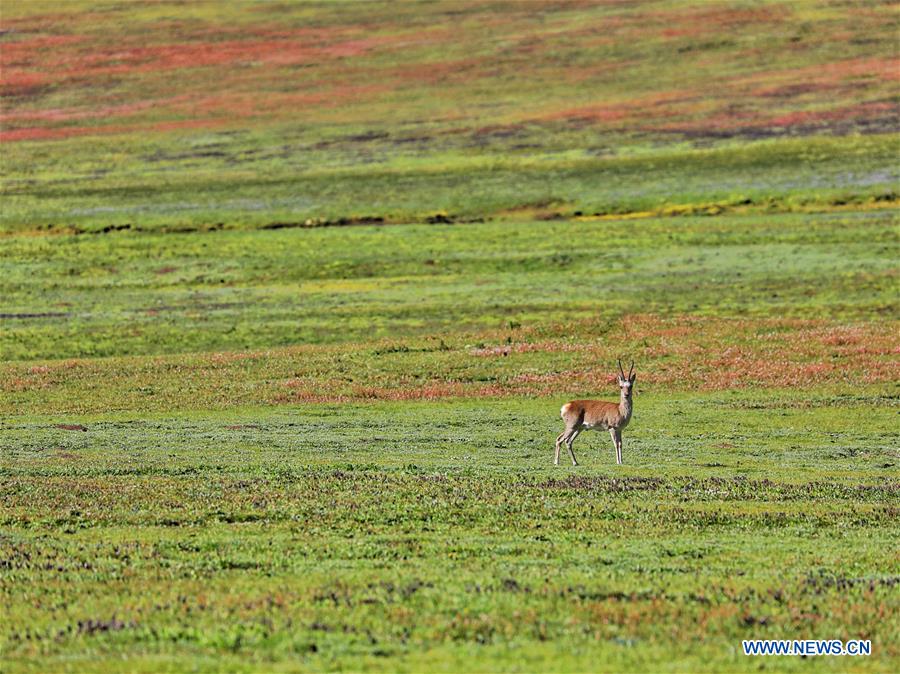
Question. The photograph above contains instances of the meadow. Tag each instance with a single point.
(184, 485)
(412, 536)
(291, 295)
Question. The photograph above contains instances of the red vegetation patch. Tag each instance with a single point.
(37, 377)
(746, 102)
(683, 353)
(883, 68)
(440, 72)
(863, 111)
(249, 74)
(247, 64)
(15, 52)
(699, 353)
(22, 84)
(207, 112)
(311, 393)
(718, 17)
(702, 21)
(41, 133)
(102, 112)
(530, 347)
(136, 59)
(227, 357)
(661, 104)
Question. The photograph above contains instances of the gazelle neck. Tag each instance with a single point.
(625, 404)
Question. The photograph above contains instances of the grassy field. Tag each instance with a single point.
(291, 295)
(233, 485)
(411, 536)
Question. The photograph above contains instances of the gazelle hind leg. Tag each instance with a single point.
(574, 434)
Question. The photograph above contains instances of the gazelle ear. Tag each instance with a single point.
(633, 377)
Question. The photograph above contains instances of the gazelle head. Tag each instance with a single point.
(625, 383)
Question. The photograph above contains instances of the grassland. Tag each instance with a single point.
(290, 296)
(392, 536)
(409, 535)
(380, 497)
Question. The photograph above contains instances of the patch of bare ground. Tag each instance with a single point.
(71, 427)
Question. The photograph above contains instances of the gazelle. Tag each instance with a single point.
(591, 415)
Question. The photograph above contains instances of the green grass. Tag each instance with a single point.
(139, 294)
(164, 510)
(389, 536)
(291, 295)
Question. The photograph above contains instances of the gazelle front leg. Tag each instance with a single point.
(618, 439)
(559, 439)
(612, 434)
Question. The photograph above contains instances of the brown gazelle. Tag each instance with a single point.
(596, 415)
